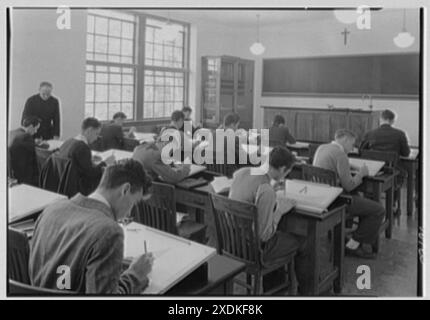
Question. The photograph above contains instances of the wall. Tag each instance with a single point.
(41, 52)
(64, 62)
(322, 37)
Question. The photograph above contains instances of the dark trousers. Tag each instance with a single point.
(283, 243)
(370, 214)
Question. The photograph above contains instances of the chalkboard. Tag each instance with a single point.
(395, 75)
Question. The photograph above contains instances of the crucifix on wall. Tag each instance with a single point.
(345, 33)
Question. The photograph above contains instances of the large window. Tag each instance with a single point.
(136, 64)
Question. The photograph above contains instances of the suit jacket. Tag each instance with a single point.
(149, 155)
(112, 137)
(82, 234)
(386, 138)
(22, 154)
(280, 136)
(48, 111)
(79, 152)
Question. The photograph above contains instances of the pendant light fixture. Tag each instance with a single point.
(346, 16)
(257, 47)
(404, 39)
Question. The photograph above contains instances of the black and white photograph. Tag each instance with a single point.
(214, 150)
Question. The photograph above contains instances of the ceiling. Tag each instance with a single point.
(243, 18)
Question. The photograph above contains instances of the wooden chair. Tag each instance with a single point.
(130, 144)
(238, 237)
(160, 212)
(319, 175)
(18, 251)
(16, 288)
(312, 149)
(391, 160)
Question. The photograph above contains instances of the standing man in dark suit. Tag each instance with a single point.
(22, 152)
(112, 134)
(386, 138)
(47, 108)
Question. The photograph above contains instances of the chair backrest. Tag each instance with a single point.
(390, 158)
(237, 229)
(42, 156)
(59, 175)
(312, 149)
(160, 210)
(130, 144)
(18, 252)
(16, 288)
(319, 175)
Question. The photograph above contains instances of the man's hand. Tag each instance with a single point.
(110, 160)
(142, 266)
(284, 204)
(364, 171)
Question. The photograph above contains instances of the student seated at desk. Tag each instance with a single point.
(187, 117)
(22, 151)
(77, 149)
(78, 244)
(279, 133)
(386, 137)
(257, 189)
(112, 135)
(149, 155)
(333, 156)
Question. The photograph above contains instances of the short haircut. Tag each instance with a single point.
(119, 115)
(126, 171)
(30, 121)
(339, 134)
(45, 84)
(90, 123)
(231, 118)
(278, 120)
(280, 156)
(187, 109)
(388, 115)
(177, 115)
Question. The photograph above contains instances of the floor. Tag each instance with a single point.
(394, 272)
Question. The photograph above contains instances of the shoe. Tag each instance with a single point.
(360, 253)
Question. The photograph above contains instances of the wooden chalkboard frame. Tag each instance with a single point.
(378, 81)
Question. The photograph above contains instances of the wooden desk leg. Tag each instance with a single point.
(389, 211)
(228, 287)
(339, 253)
(314, 243)
(410, 189)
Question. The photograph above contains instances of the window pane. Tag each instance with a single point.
(89, 110)
(127, 108)
(89, 92)
(127, 93)
(127, 48)
(114, 46)
(106, 87)
(148, 110)
(101, 112)
(101, 44)
(115, 28)
(101, 92)
(127, 30)
(90, 24)
(114, 93)
(101, 25)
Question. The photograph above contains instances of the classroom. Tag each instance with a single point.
(214, 152)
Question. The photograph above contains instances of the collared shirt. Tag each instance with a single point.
(97, 196)
(339, 145)
(81, 137)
